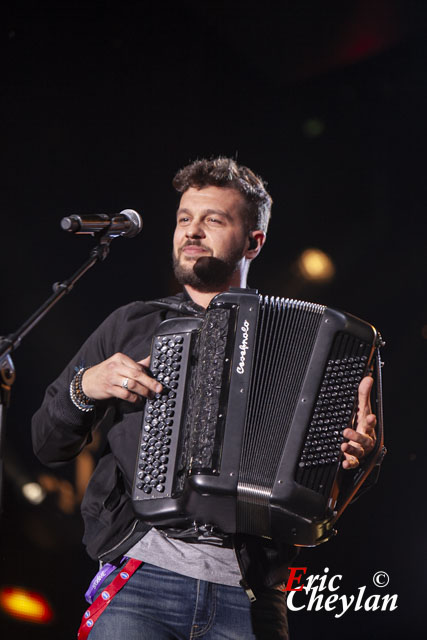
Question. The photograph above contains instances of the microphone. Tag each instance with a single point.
(127, 223)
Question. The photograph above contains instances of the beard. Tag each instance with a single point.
(208, 274)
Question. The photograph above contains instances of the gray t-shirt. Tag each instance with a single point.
(195, 560)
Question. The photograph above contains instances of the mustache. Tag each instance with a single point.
(195, 243)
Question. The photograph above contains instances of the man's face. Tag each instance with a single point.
(210, 238)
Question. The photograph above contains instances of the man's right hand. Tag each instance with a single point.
(109, 379)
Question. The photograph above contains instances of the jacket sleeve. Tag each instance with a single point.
(59, 429)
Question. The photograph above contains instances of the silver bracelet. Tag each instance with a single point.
(77, 395)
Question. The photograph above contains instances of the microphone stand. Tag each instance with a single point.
(9, 343)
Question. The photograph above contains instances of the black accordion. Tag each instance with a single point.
(246, 435)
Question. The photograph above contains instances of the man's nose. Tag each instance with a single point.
(195, 230)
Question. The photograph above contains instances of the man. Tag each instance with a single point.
(182, 588)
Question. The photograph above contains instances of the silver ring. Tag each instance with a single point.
(125, 384)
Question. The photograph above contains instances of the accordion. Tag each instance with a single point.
(246, 435)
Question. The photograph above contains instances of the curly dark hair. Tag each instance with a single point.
(225, 172)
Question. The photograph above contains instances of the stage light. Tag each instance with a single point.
(25, 605)
(23, 479)
(313, 127)
(33, 492)
(315, 264)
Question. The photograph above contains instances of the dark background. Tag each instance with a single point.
(101, 103)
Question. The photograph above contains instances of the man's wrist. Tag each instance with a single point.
(77, 395)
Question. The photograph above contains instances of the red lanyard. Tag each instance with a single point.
(92, 614)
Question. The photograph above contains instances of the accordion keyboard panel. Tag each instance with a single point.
(332, 413)
(162, 418)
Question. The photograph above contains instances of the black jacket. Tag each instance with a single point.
(60, 431)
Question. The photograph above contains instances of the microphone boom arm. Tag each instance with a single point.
(9, 343)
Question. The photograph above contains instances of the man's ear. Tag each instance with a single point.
(255, 241)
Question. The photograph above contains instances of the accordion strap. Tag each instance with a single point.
(202, 534)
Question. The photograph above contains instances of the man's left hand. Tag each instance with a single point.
(361, 440)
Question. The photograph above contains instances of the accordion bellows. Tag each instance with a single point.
(246, 435)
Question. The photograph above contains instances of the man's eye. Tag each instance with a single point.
(215, 220)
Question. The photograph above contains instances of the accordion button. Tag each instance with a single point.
(164, 459)
(170, 412)
(146, 488)
(179, 339)
(163, 468)
(147, 479)
(160, 488)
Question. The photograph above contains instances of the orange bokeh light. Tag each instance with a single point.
(25, 605)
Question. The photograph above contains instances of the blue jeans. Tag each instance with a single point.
(156, 604)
